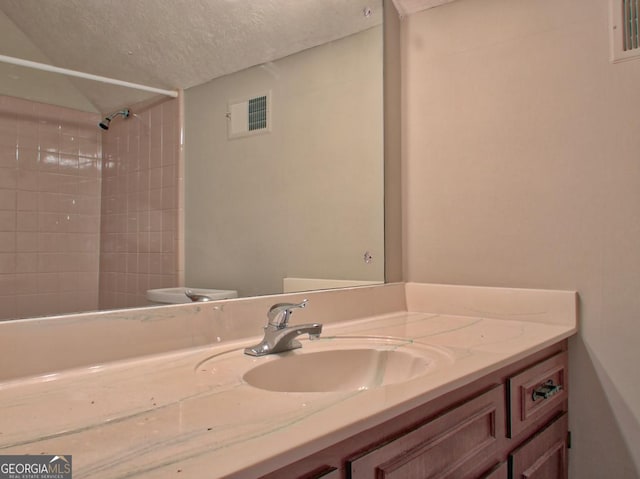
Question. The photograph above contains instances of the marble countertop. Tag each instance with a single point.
(190, 414)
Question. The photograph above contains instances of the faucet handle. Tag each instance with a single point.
(283, 310)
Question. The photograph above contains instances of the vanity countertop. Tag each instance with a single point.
(168, 416)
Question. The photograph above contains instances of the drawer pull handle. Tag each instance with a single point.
(547, 390)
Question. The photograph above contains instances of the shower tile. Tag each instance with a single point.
(8, 155)
(49, 160)
(28, 158)
(7, 306)
(155, 281)
(155, 220)
(143, 201)
(8, 178)
(169, 178)
(89, 167)
(30, 305)
(155, 263)
(49, 243)
(49, 203)
(143, 284)
(70, 186)
(48, 282)
(88, 148)
(27, 180)
(27, 138)
(8, 136)
(26, 221)
(155, 178)
(132, 262)
(8, 221)
(7, 263)
(69, 144)
(49, 222)
(168, 242)
(26, 242)
(7, 242)
(169, 198)
(169, 152)
(7, 284)
(89, 187)
(169, 265)
(49, 262)
(49, 138)
(7, 199)
(68, 163)
(169, 219)
(133, 198)
(26, 262)
(155, 157)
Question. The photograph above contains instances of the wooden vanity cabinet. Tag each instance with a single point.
(544, 456)
(461, 443)
(511, 424)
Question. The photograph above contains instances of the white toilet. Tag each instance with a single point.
(178, 296)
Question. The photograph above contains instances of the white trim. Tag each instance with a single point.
(88, 76)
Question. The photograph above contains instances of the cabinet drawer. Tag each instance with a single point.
(462, 443)
(537, 394)
(545, 455)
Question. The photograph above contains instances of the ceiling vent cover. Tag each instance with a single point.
(625, 30)
(249, 116)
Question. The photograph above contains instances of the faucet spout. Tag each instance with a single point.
(279, 336)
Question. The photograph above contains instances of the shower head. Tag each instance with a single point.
(104, 124)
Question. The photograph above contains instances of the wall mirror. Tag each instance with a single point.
(265, 176)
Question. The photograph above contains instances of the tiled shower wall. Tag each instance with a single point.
(80, 230)
(49, 209)
(139, 233)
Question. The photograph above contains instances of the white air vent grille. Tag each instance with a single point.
(625, 29)
(258, 113)
(250, 116)
(630, 27)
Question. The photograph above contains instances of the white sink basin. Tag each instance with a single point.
(339, 370)
(330, 364)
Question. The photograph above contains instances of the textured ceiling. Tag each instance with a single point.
(173, 43)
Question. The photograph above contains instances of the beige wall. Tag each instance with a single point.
(522, 168)
(257, 207)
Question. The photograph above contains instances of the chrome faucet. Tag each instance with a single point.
(278, 335)
(197, 298)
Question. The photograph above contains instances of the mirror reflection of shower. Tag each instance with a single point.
(104, 124)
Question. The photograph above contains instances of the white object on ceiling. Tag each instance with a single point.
(172, 44)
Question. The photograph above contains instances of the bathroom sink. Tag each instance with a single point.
(341, 370)
(345, 364)
(328, 364)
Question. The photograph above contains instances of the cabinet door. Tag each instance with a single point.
(545, 455)
(501, 471)
(462, 443)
